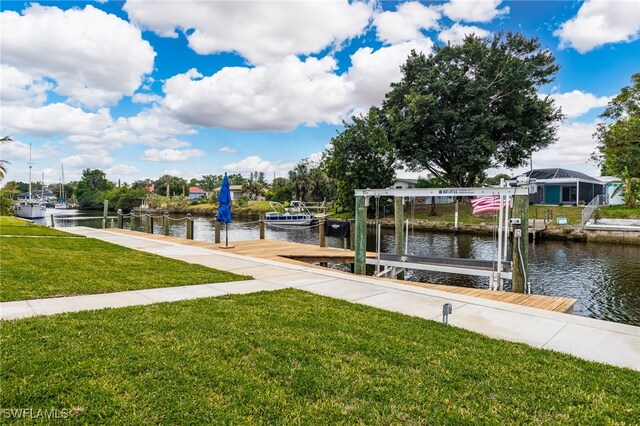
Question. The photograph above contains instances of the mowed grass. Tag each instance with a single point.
(14, 226)
(35, 267)
(290, 357)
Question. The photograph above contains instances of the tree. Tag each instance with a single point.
(281, 190)
(468, 108)
(91, 189)
(252, 188)
(434, 182)
(3, 170)
(125, 198)
(495, 180)
(174, 185)
(361, 156)
(619, 141)
(301, 179)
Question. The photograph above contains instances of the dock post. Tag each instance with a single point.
(520, 243)
(217, 233)
(190, 224)
(149, 223)
(165, 223)
(262, 226)
(104, 213)
(398, 208)
(323, 240)
(132, 223)
(360, 246)
(120, 219)
(352, 234)
(53, 225)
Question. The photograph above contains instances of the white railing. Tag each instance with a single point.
(589, 209)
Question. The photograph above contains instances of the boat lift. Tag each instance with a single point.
(497, 269)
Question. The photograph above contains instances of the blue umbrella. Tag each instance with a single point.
(224, 208)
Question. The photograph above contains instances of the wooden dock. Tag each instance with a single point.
(306, 254)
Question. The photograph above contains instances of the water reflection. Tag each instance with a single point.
(605, 278)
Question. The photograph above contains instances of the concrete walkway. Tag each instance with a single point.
(587, 338)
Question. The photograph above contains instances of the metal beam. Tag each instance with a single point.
(442, 192)
(441, 268)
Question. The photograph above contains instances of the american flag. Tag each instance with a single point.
(485, 204)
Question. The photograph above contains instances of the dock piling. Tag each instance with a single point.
(323, 240)
(360, 243)
(262, 218)
(190, 225)
(520, 244)
(216, 238)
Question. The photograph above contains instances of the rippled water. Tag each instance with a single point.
(605, 278)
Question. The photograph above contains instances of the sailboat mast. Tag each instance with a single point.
(64, 193)
(30, 165)
(42, 189)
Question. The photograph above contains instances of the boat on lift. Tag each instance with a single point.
(296, 214)
(30, 208)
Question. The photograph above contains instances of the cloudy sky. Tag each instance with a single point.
(144, 88)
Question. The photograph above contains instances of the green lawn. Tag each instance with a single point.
(290, 357)
(48, 267)
(14, 226)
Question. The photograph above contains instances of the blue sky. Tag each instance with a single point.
(144, 88)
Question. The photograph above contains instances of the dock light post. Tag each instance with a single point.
(120, 219)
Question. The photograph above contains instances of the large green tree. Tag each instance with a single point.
(361, 156)
(92, 188)
(619, 137)
(467, 108)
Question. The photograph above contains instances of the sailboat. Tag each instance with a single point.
(61, 203)
(30, 208)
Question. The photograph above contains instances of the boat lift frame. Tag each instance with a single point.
(495, 269)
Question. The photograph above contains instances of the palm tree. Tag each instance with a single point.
(300, 176)
(3, 170)
(630, 188)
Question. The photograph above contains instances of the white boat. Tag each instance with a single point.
(30, 208)
(61, 203)
(296, 214)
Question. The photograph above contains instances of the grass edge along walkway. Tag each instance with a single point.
(293, 357)
(33, 268)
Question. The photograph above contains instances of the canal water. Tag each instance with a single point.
(605, 278)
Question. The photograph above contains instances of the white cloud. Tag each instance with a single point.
(228, 150)
(53, 119)
(145, 98)
(94, 57)
(372, 72)
(574, 147)
(259, 31)
(406, 22)
(281, 96)
(255, 163)
(456, 34)
(98, 159)
(121, 170)
(601, 22)
(20, 88)
(576, 103)
(474, 10)
(170, 155)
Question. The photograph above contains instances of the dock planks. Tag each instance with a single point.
(297, 253)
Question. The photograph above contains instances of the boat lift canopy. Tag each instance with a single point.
(497, 269)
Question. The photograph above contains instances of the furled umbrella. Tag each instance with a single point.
(224, 208)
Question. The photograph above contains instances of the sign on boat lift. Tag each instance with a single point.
(497, 269)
